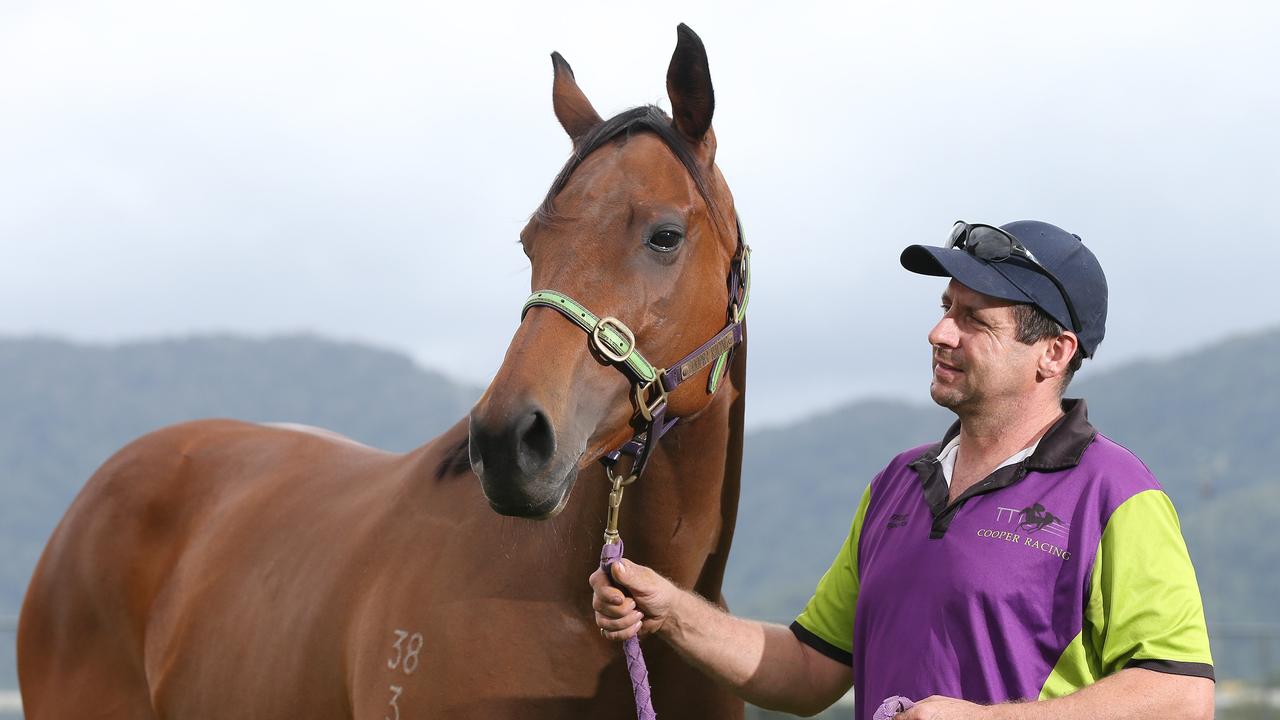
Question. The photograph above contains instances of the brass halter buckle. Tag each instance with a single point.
(645, 407)
(597, 339)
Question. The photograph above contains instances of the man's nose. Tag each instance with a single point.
(944, 334)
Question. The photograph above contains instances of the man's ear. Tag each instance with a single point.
(572, 107)
(1057, 355)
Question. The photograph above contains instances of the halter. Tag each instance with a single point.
(616, 343)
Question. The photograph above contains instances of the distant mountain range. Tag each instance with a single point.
(1206, 423)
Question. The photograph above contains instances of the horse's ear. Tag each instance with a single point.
(573, 109)
(689, 86)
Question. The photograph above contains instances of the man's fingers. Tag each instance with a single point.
(922, 710)
(619, 623)
(620, 616)
(623, 634)
(634, 577)
(598, 580)
(623, 606)
(915, 712)
(604, 589)
(637, 579)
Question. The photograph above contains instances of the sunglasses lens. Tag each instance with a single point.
(957, 233)
(988, 244)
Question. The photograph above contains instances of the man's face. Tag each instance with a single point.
(978, 362)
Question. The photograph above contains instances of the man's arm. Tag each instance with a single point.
(762, 663)
(1132, 693)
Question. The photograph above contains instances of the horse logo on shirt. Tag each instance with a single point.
(1036, 518)
(1033, 519)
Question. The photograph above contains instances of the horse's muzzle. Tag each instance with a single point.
(515, 458)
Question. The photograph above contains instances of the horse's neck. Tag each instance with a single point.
(683, 511)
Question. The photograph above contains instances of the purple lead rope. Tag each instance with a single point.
(892, 706)
(610, 554)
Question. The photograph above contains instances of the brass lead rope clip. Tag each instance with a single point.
(620, 483)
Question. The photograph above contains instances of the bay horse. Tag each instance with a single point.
(225, 569)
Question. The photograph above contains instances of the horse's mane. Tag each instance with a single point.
(645, 117)
(455, 460)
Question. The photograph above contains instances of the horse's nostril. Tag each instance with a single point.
(535, 442)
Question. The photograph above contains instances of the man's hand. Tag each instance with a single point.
(937, 707)
(763, 663)
(644, 612)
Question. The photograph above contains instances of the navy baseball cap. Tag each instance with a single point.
(1018, 280)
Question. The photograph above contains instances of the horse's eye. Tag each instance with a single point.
(665, 239)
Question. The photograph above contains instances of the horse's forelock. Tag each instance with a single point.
(644, 118)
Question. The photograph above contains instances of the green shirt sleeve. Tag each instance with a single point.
(826, 623)
(1144, 604)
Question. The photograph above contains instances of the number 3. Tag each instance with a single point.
(400, 636)
(395, 690)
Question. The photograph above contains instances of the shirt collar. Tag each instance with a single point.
(947, 457)
(1060, 448)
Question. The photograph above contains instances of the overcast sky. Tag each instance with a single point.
(172, 167)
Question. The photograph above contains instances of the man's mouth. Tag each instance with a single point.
(945, 369)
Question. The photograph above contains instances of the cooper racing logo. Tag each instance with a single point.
(1032, 527)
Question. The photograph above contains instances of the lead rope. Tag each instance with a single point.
(610, 554)
(639, 672)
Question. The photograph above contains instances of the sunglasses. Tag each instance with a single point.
(990, 243)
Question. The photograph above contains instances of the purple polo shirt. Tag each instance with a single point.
(1039, 580)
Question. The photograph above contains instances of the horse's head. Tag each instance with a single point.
(639, 225)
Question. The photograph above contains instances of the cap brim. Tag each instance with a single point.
(964, 268)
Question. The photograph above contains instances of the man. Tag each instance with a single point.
(1024, 566)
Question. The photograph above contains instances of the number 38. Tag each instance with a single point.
(406, 653)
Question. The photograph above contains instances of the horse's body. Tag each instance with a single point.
(222, 569)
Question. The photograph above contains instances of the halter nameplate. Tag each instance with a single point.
(692, 367)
